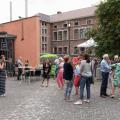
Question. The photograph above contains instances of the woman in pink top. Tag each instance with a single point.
(59, 78)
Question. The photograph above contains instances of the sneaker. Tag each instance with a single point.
(112, 96)
(3, 95)
(69, 100)
(106, 95)
(87, 101)
(79, 102)
(103, 96)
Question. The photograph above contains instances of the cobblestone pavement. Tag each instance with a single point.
(25, 101)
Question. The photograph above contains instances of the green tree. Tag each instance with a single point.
(107, 34)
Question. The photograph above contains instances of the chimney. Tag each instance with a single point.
(59, 12)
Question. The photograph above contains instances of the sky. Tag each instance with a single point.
(43, 6)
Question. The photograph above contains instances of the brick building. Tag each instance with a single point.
(50, 33)
(66, 30)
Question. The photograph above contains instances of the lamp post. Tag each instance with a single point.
(69, 25)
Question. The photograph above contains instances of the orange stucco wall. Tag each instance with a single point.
(28, 47)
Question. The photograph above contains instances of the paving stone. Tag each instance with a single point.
(25, 101)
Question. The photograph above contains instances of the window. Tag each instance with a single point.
(82, 49)
(45, 31)
(65, 35)
(89, 21)
(45, 24)
(75, 50)
(42, 23)
(76, 34)
(65, 49)
(76, 23)
(55, 26)
(55, 50)
(42, 38)
(82, 33)
(44, 48)
(54, 35)
(59, 50)
(45, 39)
(60, 35)
(65, 25)
(86, 31)
(42, 31)
(3, 44)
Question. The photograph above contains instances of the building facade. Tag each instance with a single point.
(27, 42)
(66, 30)
(59, 33)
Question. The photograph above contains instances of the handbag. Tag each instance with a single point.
(92, 80)
(92, 77)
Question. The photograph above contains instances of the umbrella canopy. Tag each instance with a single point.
(48, 56)
(88, 43)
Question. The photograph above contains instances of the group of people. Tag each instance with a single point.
(77, 71)
(80, 72)
(22, 68)
(110, 69)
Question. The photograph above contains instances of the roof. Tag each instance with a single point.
(74, 14)
(43, 17)
(79, 13)
(6, 35)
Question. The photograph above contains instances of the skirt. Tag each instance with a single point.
(2, 81)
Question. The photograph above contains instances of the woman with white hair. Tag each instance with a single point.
(116, 59)
(59, 78)
(105, 69)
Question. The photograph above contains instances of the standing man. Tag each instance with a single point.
(105, 69)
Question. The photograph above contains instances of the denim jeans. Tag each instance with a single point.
(103, 90)
(69, 85)
(84, 81)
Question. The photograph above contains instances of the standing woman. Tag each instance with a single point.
(2, 76)
(59, 78)
(46, 72)
(68, 76)
(86, 74)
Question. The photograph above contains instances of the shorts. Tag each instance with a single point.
(76, 80)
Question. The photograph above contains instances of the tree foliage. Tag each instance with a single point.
(107, 34)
